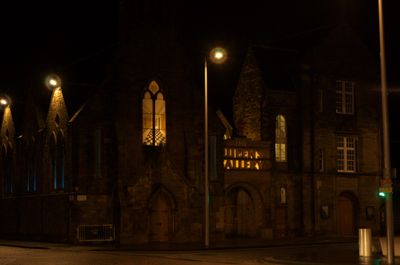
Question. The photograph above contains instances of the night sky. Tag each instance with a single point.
(71, 37)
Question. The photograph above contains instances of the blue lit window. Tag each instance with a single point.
(58, 160)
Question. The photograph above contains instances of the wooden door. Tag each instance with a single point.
(159, 220)
(244, 220)
(345, 216)
(280, 221)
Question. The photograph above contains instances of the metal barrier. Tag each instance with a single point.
(104, 232)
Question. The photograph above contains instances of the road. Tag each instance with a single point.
(343, 253)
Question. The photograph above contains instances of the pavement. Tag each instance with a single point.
(225, 244)
(311, 250)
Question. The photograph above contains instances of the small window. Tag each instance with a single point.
(97, 152)
(283, 195)
(280, 139)
(320, 99)
(346, 153)
(321, 160)
(344, 97)
(154, 116)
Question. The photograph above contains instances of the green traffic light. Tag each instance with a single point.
(382, 194)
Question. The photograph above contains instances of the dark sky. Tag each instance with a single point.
(64, 36)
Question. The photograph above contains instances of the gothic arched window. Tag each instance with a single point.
(31, 165)
(57, 160)
(280, 139)
(154, 118)
(7, 153)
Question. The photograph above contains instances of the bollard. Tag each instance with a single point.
(364, 242)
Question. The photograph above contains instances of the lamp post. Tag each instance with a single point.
(218, 56)
(386, 144)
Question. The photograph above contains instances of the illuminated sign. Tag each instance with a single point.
(243, 159)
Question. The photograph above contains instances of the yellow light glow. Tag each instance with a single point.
(53, 82)
(218, 55)
(3, 101)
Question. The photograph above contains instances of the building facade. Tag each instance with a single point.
(317, 108)
(127, 164)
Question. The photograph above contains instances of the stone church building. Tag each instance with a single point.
(301, 156)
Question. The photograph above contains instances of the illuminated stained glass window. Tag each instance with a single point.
(154, 118)
(344, 97)
(280, 139)
(346, 154)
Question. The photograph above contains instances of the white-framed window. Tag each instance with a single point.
(280, 139)
(344, 97)
(346, 153)
(154, 118)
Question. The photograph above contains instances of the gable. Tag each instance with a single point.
(342, 52)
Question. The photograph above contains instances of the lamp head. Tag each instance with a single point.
(5, 101)
(218, 55)
(53, 82)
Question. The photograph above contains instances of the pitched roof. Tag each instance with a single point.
(276, 66)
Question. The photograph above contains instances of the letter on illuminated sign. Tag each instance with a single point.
(243, 159)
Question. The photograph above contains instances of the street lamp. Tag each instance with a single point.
(5, 101)
(386, 145)
(218, 56)
(53, 82)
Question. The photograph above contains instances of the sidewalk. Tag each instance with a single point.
(238, 244)
(300, 251)
(226, 244)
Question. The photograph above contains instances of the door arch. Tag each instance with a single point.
(346, 208)
(241, 215)
(161, 218)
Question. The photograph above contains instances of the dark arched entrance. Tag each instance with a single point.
(346, 214)
(240, 214)
(161, 208)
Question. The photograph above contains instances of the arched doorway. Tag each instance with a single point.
(240, 214)
(345, 214)
(161, 218)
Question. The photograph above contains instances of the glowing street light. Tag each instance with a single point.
(218, 56)
(5, 101)
(53, 82)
